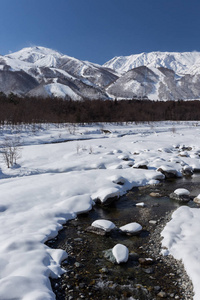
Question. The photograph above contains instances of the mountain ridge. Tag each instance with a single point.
(40, 71)
(179, 62)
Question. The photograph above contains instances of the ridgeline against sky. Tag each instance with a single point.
(99, 30)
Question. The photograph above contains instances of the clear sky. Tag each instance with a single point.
(98, 30)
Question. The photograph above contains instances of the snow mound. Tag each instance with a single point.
(120, 253)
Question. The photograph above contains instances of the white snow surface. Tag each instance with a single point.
(120, 253)
(104, 224)
(55, 180)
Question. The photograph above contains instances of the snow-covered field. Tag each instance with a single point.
(54, 180)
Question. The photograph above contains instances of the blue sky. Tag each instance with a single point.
(98, 30)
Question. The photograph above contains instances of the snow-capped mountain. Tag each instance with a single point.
(156, 76)
(39, 71)
(51, 73)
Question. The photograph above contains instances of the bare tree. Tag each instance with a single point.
(11, 150)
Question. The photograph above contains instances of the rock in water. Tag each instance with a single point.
(131, 228)
(104, 224)
(181, 195)
(168, 171)
(120, 253)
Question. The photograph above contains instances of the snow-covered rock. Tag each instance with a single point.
(197, 199)
(105, 225)
(120, 253)
(181, 192)
(143, 164)
(107, 196)
(181, 195)
(187, 170)
(118, 179)
(168, 171)
(131, 228)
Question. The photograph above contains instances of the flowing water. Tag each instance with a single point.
(89, 275)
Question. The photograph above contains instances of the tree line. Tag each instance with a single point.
(16, 110)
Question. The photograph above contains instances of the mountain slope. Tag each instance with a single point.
(156, 76)
(155, 84)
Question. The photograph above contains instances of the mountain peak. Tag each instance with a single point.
(34, 54)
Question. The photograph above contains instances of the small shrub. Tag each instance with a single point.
(11, 150)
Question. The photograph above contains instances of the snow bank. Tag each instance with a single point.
(181, 238)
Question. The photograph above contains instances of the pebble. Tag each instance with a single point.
(157, 288)
(162, 294)
(149, 270)
(153, 222)
(155, 194)
(145, 261)
(77, 264)
(104, 270)
(78, 239)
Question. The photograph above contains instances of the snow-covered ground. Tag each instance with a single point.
(54, 180)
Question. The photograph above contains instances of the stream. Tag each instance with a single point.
(89, 275)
